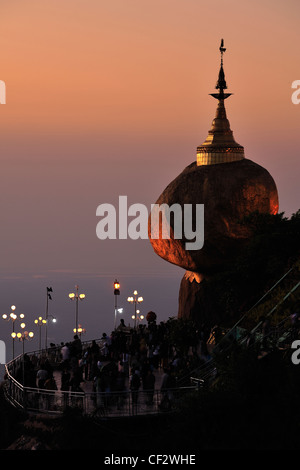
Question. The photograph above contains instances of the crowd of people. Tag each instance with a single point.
(127, 359)
(151, 358)
(124, 361)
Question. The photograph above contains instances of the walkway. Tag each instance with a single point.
(87, 385)
(114, 404)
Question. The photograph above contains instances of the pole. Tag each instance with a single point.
(116, 311)
(13, 329)
(116, 293)
(76, 310)
(40, 341)
(23, 339)
(46, 338)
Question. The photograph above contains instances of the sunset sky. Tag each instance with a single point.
(109, 98)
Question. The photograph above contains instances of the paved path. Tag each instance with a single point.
(87, 385)
(123, 406)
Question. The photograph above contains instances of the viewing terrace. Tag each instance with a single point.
(92, 395)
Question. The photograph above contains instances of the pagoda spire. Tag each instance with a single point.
(220, 146)
(221, 83)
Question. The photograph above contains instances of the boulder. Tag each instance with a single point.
(229, 192)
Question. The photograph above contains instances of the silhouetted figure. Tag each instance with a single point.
(41, 376)
(149, 384)
(76, 347)
(135, 383)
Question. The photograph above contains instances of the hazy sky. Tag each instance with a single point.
(112, 98)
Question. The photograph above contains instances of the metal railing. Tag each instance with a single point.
(97, 404)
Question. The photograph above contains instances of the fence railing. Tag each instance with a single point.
(97, 404)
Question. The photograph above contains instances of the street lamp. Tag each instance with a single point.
(40, 322)
(135, 300)
(76, 297)
(137, 316)
(80, 330)
(25, 335)
(12, 317)
(116, 293)
(48, 290)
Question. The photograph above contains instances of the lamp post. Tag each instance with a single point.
(76, 296)
(40, 322)
(12, 317)
(25, 335)
(135, 300)
(116, 293)
(48, 290)
(138, 317)
(80, 330)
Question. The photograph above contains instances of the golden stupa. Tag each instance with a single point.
(220, 146)
(229, 186)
